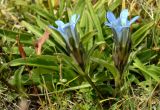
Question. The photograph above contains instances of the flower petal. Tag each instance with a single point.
(50, 26)
(117, 22)
(118, 29)
(74, 34)
(110, 16)
(63, 30)
(74, 19)
(133, 20)
(68, 30)
(108, 24)
(123, 17)
(66, 25)
(59, 23)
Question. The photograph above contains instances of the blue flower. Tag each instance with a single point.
(118, 24)
(68, 30)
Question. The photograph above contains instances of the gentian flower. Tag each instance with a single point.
(122, 39)
(68, 31)
(120, 23)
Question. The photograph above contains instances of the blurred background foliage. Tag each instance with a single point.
(52, 80)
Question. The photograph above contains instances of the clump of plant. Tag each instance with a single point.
(74, 46)
(122, 41)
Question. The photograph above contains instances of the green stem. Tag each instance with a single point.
(93, 86)
(78, 56)
(118, 84)
(121, 82)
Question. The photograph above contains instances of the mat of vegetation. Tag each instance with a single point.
(80, 54)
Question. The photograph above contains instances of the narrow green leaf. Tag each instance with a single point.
(90, 21)
(140, 66)
(95, 20)
(11, 36)
(90, 52)
(114, 4)
(45, 61)
(42, 12)
(61, 7)
(99, 4)
(31, 28)
(88, 36)
(146, 55)
(79, 7)
(14, 50)
(18, 78)
(141, 33)
(110, 67)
